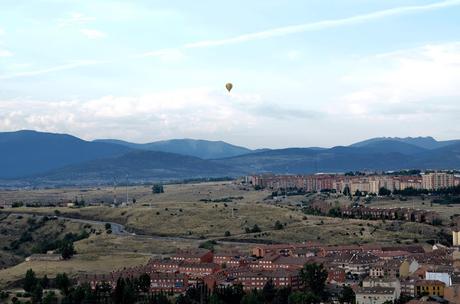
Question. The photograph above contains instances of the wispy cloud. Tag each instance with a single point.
(321, 25)
(310, 27)
(75, 19)
(93, 34)
(5, 53)
(73, 65)
(2, 31)
(78, 18)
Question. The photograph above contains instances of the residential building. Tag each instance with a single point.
(429, 288)
(375, 295)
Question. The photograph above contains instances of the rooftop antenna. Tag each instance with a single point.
(126, 189)
(114, 191)
(316, 163)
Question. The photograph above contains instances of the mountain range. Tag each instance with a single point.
(37, 158)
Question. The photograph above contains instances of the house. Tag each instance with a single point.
(439, 276)
(408, 287)
(175, 282)
(165, 265)
(384, 282)
(429, 288)
(375, 295)
(336, 276)
(256, 279)
(199, 255)
(408, 267)
(198, 270)
(44, 257)
(224, 257)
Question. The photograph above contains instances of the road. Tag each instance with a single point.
(120, 230)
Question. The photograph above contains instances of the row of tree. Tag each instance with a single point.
(137, 290)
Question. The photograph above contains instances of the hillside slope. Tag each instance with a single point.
(193, 147)
(25, 153)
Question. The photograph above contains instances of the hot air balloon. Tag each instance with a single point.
(229, 87)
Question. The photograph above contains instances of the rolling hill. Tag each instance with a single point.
(422, 142)
(36, 158)
(204, 149)
(138, 167)
(25, 153)
(304, 160)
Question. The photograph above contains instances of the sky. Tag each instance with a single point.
(305, 73)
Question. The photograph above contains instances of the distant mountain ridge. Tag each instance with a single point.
(26, 152)
(427, 142)
(38, 158)
(138, 166)
(204, 149)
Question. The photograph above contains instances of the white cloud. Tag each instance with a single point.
(5, 53)
(294, 55)
(424, 80)
(195, 113)
(2, 31)
(75, 19)
(93, 34)
(167, 55)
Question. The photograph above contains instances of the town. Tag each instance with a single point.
(229, 152)
(357, 182)
(375, 273)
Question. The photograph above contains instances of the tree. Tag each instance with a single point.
(255, 229)
(45, 282)
(346, 191)
(63, 282)
(269, 291)
(144, 282)
(384, 191)
(117, 294)
(125, 292)
(227, 233)
(67, 250)
(50, 298)
(157, 188)
(278, 225)
(347, 295)
(314, 277)
(37, 294)
(30, 281)
(159, 298)
(282, 295)
(252, 298)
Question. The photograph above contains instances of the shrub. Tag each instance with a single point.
(278, 225)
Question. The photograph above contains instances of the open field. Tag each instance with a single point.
(187, 215)
(102, 254)
(80, 264)
(142, 194)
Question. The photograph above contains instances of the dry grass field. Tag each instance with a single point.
(142, 194)
(193, 213)
(19, 233)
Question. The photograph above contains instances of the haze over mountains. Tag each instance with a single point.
(193, 147)
(37, 158)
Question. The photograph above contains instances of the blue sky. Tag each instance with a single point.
(305, 73)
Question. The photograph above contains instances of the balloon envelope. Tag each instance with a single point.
(229, 86)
